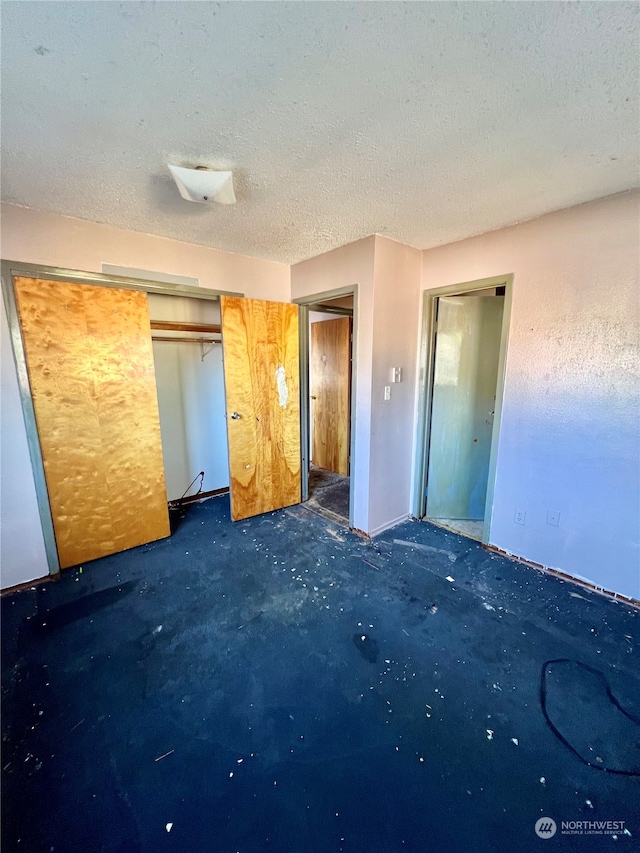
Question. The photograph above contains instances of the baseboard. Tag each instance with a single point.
(359, 532)
(388, 525)
(547, 570)
(20, 587)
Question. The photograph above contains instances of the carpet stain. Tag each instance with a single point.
(367, 646)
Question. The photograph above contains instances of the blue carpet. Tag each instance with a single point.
(282, 685)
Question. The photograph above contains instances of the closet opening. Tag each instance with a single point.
(95, 381)
(187, 353)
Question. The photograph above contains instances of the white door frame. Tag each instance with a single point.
(425, 389)
(305, 304)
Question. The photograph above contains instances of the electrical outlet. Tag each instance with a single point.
(519, 516)
(553, 517)
(387, 392)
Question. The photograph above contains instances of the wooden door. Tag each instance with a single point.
(330, 394)
(90, 366)
(464, 393)
(262, 387)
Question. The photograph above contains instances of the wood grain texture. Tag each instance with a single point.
(331, 393)
(262, 384)
(90, 364)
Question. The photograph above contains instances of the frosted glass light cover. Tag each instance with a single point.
(204, 185)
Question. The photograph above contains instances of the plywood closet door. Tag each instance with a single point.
(262, 387)
(90, 364)
(330, 393)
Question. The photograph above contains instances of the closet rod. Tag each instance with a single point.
(185, 340)
(173, 326)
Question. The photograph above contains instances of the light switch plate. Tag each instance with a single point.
(553, 517)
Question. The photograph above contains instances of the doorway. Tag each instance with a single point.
(326, 354)
(465, 332)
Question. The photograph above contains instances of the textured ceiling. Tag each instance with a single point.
(424, 121)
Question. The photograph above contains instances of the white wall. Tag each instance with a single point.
(395, 339)
(570, 435)
(22, 554)
(192, 416)
(37, 237)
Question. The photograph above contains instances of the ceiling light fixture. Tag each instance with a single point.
(204, 185)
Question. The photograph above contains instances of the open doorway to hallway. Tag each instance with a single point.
(330, 358)
(467, 330)
(328, 327)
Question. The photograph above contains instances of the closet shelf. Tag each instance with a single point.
(175, 326)
(184, 340)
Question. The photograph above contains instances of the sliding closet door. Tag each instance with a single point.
(90, 365)
(262, 384)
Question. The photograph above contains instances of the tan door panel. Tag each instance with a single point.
(262, 386)
(90, 365)
(330, 393)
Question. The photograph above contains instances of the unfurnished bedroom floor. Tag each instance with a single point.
(282, 685)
